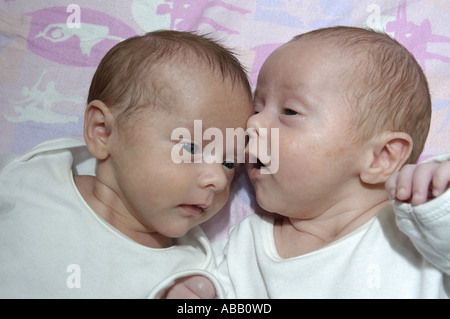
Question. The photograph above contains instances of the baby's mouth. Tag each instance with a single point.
(259, 164)
(254, 163)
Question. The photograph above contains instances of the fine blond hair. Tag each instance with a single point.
(385, 85)
(122, 82)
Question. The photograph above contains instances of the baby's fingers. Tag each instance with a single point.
(419, 183)
(399, 185)
(423, 182)
(193, 287)
(391, 185)
(441, 179)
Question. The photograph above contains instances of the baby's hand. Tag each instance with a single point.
(419, 183)
(193, 287)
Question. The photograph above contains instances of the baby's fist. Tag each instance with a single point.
(193, 287)
(419, 183)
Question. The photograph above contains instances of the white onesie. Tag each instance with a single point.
(52, 245)
(377, 260)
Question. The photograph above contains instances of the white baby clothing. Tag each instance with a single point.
(377, 260)
(53, 245)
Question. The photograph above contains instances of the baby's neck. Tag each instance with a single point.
(295, 237)
(106, 204)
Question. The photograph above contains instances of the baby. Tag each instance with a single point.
(351, 107)
(120, 219)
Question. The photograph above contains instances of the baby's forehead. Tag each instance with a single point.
(313, 58)
(320, 48)
(179, 81)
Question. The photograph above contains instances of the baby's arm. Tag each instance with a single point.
(423, 209)
(417, 184)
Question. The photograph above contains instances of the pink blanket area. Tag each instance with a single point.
(49, 51)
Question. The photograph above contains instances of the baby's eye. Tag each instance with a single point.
(290, 112)
(229, 165)
(190, 147)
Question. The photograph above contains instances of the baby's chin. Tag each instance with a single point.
(267, 204)
(177, 232)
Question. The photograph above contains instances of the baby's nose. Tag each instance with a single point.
(253, 122)
(213, 177)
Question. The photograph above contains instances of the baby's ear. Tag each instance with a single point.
(385, 155)
(98, 125)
